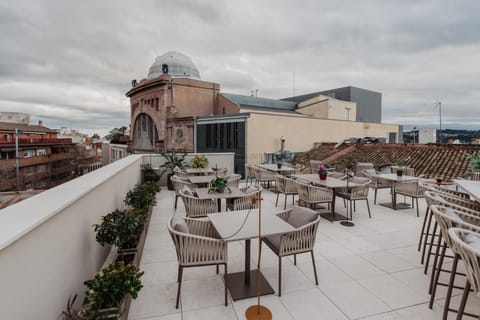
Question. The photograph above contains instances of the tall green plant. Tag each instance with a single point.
(172, 160)
(109, 286)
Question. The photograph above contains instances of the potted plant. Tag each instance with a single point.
(322, 172)
(149, 174)
(401, 165)
(279, 158)
(218, 184)
(474, 163)
(108, 289)
(200, 161)
(121, 228)
(172, 160)
(142, 196)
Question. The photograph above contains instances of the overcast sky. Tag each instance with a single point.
(70, 63)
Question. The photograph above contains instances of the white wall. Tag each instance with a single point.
(47, 243)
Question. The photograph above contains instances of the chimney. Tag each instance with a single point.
(40, 123)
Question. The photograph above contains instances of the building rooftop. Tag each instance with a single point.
(371, 271)
(26, 128)
(256, 102)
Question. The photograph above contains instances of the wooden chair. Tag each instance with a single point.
(285, 186)
(312, 195)
(353, 194)
(246, 202)
(197, 244)
(302, 240)
(467, 245)
(376, 182)
(410, 189)
(195, 207)
(179, 184)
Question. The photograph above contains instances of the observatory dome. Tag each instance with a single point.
(179, 66)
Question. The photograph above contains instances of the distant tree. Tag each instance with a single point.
(95, 136)
(118, 135)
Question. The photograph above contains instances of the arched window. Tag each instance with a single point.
(144, 132)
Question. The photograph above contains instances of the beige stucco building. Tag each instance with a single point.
(174, 109)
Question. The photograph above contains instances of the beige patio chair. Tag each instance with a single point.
(312, 195)
(376, 182)
(408, 171)
(410, 189)
(466, 244)
(295, 242)
(263, 176)
(197, 244)
(299, 168)
(179, 184)
(285, 186)
(233, 180)
(353, 194)
(246, 202)
(180, 173)
(195, 207)
(448, 218)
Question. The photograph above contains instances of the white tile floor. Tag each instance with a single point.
(370, 271)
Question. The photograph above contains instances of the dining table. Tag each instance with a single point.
(244, 225)
(285, 170)
(199, 171)
(395, 179)
(202, 193)
(472, 187)
(200, 180)
(330, 183)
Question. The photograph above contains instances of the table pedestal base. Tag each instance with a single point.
(336, 217)
(347, 223)
(239, 289)
(399, 206)
(257, 312)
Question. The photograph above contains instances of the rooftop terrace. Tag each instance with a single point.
(369, 271)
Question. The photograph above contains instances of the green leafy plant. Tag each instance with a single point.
(279, 157)
(109, 286)
(218, 184)
(121, 228)
(474, 163)
(149, 174)
(73, 313)
(141, 196)
(401, 163)
(200, 161)
(172, 160)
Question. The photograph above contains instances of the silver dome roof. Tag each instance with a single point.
(179, 66)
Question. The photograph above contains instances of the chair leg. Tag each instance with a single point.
(176, 200)
(437, 275)
(427, 230)
(461, 309)
(351, 212)
(285, 202)
(279, 276)
(225, 279)
(416, 200)
(450, 287)
(180, 275)
(435, 262)
(294, 259)
(429, 253)
(375, 198)
(368, 207)
(423, 231)
(354, 206)
(314, 268)
(276, 202)
(217, 269)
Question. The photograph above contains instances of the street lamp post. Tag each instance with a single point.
(439, 105)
